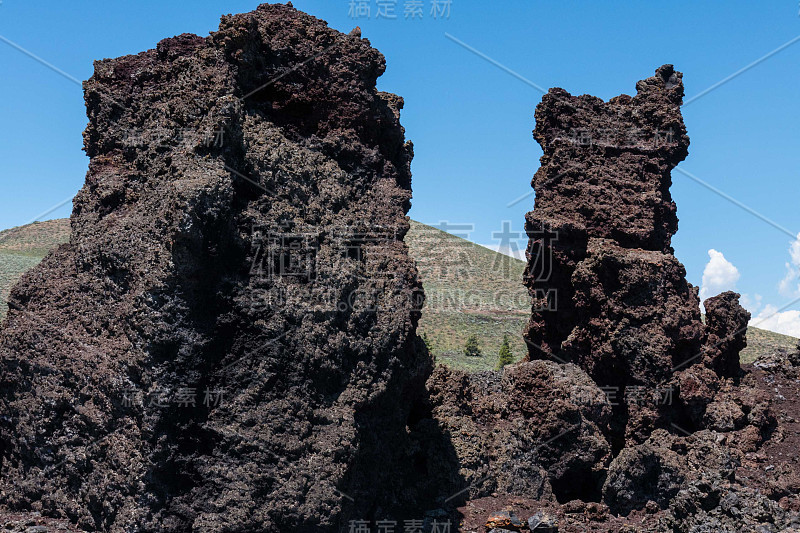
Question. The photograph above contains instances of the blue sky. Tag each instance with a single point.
(471, 121)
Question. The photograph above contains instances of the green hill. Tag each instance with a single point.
(761, 341)
(469, 290)
(35, 240)
(23, 247)
(450, 266)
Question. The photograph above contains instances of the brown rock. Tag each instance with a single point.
(643, 473)
(616, 301)
(504, 520)
(696, 387)
(726, 327)
(533, 431)
(266, 139)
(724, 416)
(658, 469)
(618, 182)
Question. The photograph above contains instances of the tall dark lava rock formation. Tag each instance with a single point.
(608, 293)
(227, 343)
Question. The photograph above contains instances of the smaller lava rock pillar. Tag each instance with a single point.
(607, 292)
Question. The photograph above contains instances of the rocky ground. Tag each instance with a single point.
(728, 479)
(32, 523)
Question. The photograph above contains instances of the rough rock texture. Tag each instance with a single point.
(663, 465)
(685, 425)
(726, 327)
(33, 523)
(754, 426)
(630, 414)
(605, 173)
(536, 429)
(227, 343)
(608, 293)
(721, 480)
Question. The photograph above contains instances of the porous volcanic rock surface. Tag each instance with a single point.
(535, 430)
(740, 473)
(227, 342)
(608, 293)
(726, 329)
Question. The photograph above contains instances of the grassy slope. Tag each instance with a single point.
(761, 341)
(35, 240)
(470, 290)
(23, 247)
(449, 329)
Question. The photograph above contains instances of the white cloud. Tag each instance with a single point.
(751, 303)
(770, 318)
(511, 251)
(786, 322)
(790, 285)
(719, 275)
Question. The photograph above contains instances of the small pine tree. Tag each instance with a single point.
(427, 342)
(505, 357)
(471, 348)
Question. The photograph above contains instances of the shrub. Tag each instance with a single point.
(428, 344)
(471, 348)
(505, 357)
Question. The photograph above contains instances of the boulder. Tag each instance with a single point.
(657, 470)
(726, 328)
(504, 520)
(536, 430)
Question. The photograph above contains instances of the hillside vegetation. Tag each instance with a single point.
(22, 248)
(469, 290)
(473, 290)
